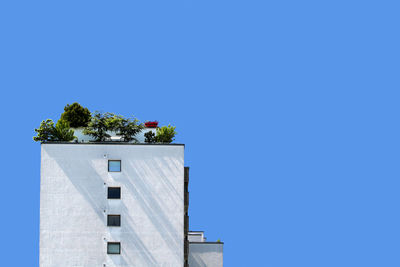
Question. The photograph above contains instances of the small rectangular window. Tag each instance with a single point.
(114, 193)
(114, 220)
(114, 165)
(113, 248)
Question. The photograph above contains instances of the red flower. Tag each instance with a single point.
(151, 124)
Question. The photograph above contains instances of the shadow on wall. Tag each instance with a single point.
(88, 181)
(203, 255)
(152, 203)
(134, 243)
(196, 261)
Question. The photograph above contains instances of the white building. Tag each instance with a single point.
(117, 204)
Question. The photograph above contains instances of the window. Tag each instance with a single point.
(114, 165)
(114, 193)
(114, 220)
(113, 248)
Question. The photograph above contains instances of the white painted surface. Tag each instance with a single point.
(73, 224)
(78, 132)
(206, 254)
(196, 236)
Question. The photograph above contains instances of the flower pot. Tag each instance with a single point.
(151, 124)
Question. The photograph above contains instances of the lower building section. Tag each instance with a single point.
(203, 253)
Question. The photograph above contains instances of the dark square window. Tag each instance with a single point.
(114, 193)
(113, 248)
(114, 165)
(114, 220)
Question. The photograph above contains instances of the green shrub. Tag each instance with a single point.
(100, 123)
(45, 131)
(76, 115)
(48, 132)
(165, 134)
(62, 131)
(150, 137)
(98, 126)
(128, 129)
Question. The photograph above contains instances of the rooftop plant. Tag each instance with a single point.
(128, 128)
(76, 115)
(150, 137)
(165, 134)
(100, 123)
(62, 131)
(98, 126)
(45, 131)
(48, 132)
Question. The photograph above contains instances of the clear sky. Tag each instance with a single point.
(289, 111)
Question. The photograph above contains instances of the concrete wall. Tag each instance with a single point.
(205, 254)
(74, 205)
(196, 236)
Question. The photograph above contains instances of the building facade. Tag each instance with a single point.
(115, 204)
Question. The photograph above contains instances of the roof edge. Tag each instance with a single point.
(107, 143)
(208, 243)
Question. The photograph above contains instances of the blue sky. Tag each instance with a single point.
(288, 109)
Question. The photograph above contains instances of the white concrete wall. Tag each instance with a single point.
(196, 236)
(206, 254)
(74, 205)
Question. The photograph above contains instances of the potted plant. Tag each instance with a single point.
(151, 124)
